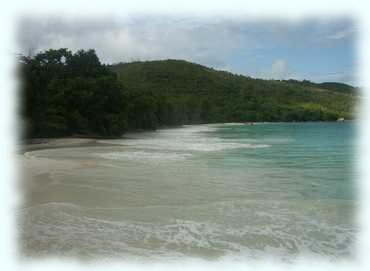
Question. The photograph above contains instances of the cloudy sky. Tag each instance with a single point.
(317, 50)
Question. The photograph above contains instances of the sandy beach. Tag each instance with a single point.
(32, 166)
(36, 172)
(47, 143)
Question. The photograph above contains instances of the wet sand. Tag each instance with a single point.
(36, 172)
(47, 143)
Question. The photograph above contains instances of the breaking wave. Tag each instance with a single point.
(61, 228)
(144, 156)
(189, 138)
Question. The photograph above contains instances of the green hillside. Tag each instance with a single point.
(66, 93)
(334, 86)
(199, 94)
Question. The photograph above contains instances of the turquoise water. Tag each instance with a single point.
(312, 159)
(211, 191)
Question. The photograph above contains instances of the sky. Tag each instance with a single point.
(315, 49)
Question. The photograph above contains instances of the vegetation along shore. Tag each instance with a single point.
(74, 94)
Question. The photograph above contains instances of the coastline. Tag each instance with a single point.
(86, 141)
(61, 142)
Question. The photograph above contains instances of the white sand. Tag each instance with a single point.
(57, 143)
(36, 171)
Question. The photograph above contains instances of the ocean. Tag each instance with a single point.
(235, 191)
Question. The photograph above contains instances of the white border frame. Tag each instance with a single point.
(260, 9)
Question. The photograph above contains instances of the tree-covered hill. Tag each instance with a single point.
(67, 93)
(200, 94)
(334, 86)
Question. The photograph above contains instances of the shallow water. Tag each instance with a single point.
(211, 191)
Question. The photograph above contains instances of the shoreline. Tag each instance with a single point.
(54, 143)
(32, 144)
(61, 142)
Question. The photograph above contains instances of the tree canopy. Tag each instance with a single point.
(71, 94)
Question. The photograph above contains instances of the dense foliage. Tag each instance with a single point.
(197, 94)
(334, 86)
(67, 93)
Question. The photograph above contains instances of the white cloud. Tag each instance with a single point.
(342, 34)
(279, 69)
(221, 44)
(146, 39)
